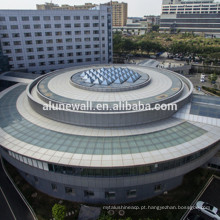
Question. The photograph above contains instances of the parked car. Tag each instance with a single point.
(208, 209)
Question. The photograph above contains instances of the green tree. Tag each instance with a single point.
(213, 78)
(59, 212)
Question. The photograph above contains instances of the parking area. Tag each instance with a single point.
(211, 196)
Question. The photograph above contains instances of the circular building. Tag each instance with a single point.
(105, 134)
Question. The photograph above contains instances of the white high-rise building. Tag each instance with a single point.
(40, 41)
(198, 16)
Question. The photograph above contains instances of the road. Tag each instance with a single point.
(11, 202)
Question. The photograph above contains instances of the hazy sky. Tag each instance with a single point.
(136, 8)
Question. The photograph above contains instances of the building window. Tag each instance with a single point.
(29, 50)
(48, 34)
(70, 61)
(87, 46)
(87, 39)
(78, 46)
(95, 24)
(79, 60)
(61, 62)
(69, 47)
(14, 27)
(30, 57)
(54, 187)
(77, 32)
(110, 195)
(158, 188)
(41, 56)
(67, 25)
(68, 32)
(86, 32)
(131, 193)
(17, 42)
(18, 50)
(51, 63)
(5, 36)
(6, 43)
(59, 40)
(97, 59)
(86, 24)
(88, 59)
(57, 18)
(25, 18)
(58, 33)
(88, 193)
(66, 17)
(15, 35)
(37, 26)
(42, 63)
(70, 191)
(2, 18)
(77, 25)
(85, 17)
(47, 26)
(79, 54)
(57, 25)
(27, 34)
(46, 18)
(95, 32)
(40, 49)
(95, 17)
(50, 55)
(60, 55)
(49, 48)
(69, 54)
(68, 40)
(7, 51)
(88, 53)
(38, 34)
(49, 41)
(78, 39)
(36, 18)
(77, 18)
(39, 42)
(12, 18)
(26, 26)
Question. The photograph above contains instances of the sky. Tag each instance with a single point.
(136, 8)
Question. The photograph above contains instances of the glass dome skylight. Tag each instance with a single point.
(107, 76)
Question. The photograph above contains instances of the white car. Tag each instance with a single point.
(208, 209)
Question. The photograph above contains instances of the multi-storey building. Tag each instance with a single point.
(51, 6)
(43, 40)
(119, 13)
(202, 16)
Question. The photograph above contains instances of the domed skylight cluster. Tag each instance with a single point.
(107, 76)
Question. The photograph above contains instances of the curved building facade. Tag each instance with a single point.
(94, 134)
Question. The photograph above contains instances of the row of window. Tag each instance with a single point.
(132, 193)
(47, 26)
(50, 41)
(22, 65)
(70, 47)
(57, 33)
(49, 18)
(129, 171)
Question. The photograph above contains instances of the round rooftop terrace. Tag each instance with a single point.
(99, 95)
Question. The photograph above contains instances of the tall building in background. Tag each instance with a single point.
(40, 41)
(119, 13)
(198, 16)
